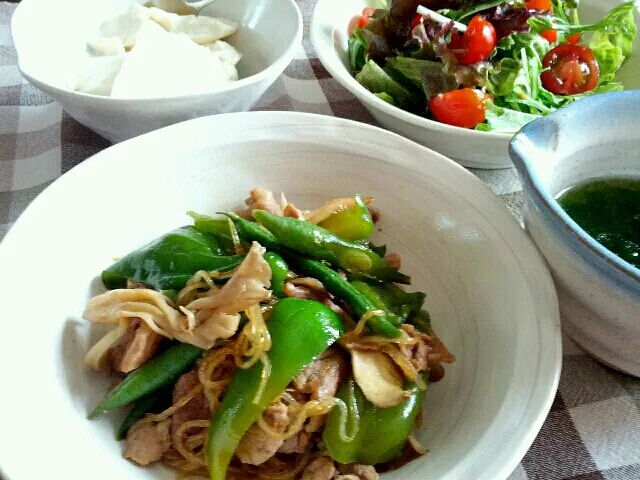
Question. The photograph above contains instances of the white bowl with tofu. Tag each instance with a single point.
(123, 69)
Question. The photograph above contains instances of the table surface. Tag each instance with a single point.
(593, 429)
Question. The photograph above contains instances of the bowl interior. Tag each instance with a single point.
(51, 37)
(608, 160)
(489, 293)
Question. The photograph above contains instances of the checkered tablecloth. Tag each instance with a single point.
(593, 429)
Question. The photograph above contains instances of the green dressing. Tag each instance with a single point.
(609, 211)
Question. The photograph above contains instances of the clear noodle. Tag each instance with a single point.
(215, 372)
(179, 442)
(362, 323)
(201, 280)
(264, 377)
(310, 409)
(273, 469)
(173, 408)
(235, 238)
(255, 339)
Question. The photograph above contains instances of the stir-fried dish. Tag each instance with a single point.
(492, 65)
(269, 343)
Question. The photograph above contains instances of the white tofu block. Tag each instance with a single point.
(98, 75)
(126, 25)
(201, 30)
(224, 51)
(102, 46)
(164, 64)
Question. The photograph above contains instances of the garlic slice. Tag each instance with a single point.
(378, 378)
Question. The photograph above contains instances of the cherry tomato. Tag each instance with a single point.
(476, 44)
(359, 21)
(542, 5)
(551, 35)
(368, 12)
(462, 108)
(415, 22)
(575, 38)
(570, 69)
(353, 24)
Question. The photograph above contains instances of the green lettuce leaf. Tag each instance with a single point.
(357, 51)
(514, 80)
(469, 8)
(426, 75)
(504, 120)
(612, 44)
(376, 80)
(386, 97)
(609, 57)
(502, 79)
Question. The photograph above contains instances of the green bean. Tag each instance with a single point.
(373, 296)
(322, 244)
(332, 281)
(156, 373)
(342, 289)
(397, 303)
(381, 250)
(251, 231)
(141, 407)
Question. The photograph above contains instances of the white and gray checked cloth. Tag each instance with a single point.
(593, 429)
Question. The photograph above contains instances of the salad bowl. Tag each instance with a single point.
(599, 292)
(268, 37)
(469, 147)
(489, 293)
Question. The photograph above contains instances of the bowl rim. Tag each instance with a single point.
(545, 385)
(272, 70)
(610, 265)
(347, 80)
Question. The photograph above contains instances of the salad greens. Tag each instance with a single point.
(407, 60)
(612, 38)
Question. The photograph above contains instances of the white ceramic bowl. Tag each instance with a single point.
(489, 292)
(599, 292)
(50, 38)
(468, 147)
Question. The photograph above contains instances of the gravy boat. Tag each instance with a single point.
(599, 293)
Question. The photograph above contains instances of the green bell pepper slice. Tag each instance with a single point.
(352, 224)
(170, 260)
(381, 432)
(289, 319)
(422, 321)
(218, 227)
(321, 244)
(279, 272)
